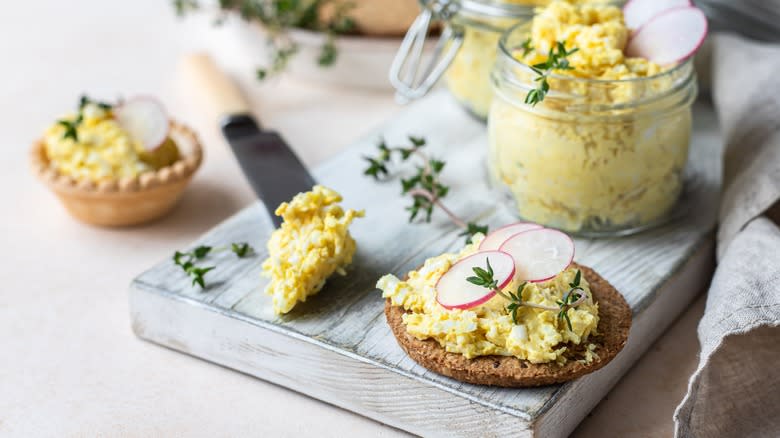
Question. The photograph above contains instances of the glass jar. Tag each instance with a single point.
(596, 157)
(466, 51)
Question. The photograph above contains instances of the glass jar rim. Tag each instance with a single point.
(506, 52)
(496, 9)
(481, 8)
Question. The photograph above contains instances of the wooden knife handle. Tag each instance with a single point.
(219, 91)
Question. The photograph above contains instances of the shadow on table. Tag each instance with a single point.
(203, 205)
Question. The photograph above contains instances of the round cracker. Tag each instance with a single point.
(614, 325)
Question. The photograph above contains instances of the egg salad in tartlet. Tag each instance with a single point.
(117, 164)
(510, 309)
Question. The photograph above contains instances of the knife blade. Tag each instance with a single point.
(275, 173)
(273, 170)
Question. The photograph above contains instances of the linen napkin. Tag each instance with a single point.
(735, 390)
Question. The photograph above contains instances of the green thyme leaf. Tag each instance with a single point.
(437, 165)
(481, 273)
(568, 321)
(241, 249)
(201, 251)
(472, 229)
(476, 280)
(328, 53)
(556, 60)
(576, 282)
(84, 100)
(418, 142)
(70, 129)
(197, 275)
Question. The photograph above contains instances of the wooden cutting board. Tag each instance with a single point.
(337, 346)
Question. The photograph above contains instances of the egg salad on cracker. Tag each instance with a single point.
(533, 334)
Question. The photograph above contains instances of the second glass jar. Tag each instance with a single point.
(473, 30)
(481, 24)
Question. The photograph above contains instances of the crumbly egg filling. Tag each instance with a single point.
(102, 150)
(312, 244)
(598, 32)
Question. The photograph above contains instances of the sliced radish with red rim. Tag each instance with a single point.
(670, 37)
(145, 120)
(639, 12)
(495, 239)
(539, 254)
(454, 292)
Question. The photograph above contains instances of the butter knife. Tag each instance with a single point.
(273, 170)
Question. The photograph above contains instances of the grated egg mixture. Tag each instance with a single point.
(600, 34)
(312, 244)
(104, 151)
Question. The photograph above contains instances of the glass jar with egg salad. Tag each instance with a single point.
(604, 153)
(467, 48)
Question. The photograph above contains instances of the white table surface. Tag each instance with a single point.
(69, 363)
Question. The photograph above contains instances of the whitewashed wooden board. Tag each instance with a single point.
(337, 347)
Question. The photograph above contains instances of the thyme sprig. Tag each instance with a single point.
(71, 126)
(484, 277)
(557, 59)
(278, 17)
(85, 100)
(425, 186)
(571, 298)
(187, 260)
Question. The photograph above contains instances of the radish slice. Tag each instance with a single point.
(639, 12)
(672, 36)
(539, 254)
(454, 292)
(495, 239)
(144, 118)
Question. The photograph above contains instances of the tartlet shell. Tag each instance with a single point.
(614, 326)
(128, 201)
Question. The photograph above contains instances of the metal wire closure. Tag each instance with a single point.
(404, 70)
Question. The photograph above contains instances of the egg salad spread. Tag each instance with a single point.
(101, 150)
(598, 32)
(468, 77)
(538, 337)
(605, 151)
(312, 244)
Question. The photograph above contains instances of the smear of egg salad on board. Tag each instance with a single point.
(312, 244)
(102, 150)
(539, 336)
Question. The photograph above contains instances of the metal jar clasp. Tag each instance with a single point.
(405, 69)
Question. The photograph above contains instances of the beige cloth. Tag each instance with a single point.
(735, 392)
